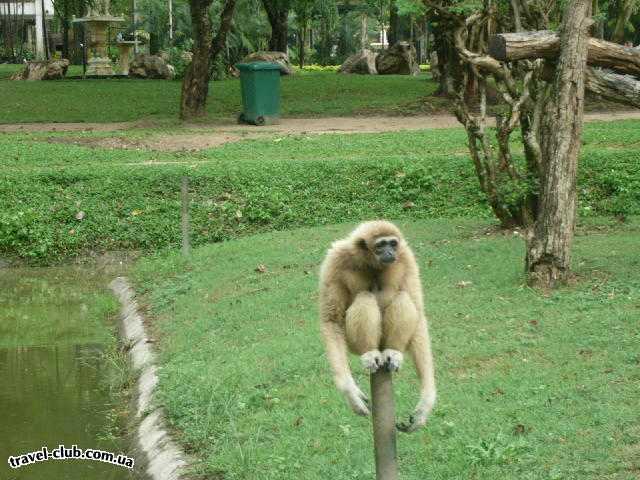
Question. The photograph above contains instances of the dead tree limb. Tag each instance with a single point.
(508, 47)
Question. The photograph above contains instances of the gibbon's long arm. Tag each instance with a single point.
(331, 314)
(420, 348)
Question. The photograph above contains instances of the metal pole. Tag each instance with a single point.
(384, 425)
(184, 197)
(171, 22)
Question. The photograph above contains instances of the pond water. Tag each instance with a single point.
(55, 326)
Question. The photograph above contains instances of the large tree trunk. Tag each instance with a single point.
(546, 44)
(364, 31)
(448, 62)
(195, 85)
(278, 14)
(219, 41)
(549, 242)
(65, 37)
(394, 23)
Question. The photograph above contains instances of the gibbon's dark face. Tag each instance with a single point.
(385, 249)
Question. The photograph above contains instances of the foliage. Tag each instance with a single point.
(154, 18)
(180, 58)
(129, 198)
(529, 386)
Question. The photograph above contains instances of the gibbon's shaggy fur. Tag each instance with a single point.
(371, 304)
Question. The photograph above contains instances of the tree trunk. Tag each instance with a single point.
(394, 23)
(624, 14)
(219, 41)
(448, 63)
(364, 31)
(326, 42)
(278, 15)
(302, 39)
(195, 85)
(548, 260)
(546, 44)
(65, 38)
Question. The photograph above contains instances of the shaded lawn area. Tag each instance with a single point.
(530, 386)
(130, 198)
(309, 94)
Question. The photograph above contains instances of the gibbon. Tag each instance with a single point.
(371, 304)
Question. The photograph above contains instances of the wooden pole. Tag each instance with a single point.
(384, 425)
(184, 197)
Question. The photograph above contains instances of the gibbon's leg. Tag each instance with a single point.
(364, 330)
(420, 348)
(399, 323)
(336, 346)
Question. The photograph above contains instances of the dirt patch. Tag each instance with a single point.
(163, 142)
(200, 136)
(66, 127)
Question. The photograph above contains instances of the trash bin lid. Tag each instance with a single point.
(258, 66)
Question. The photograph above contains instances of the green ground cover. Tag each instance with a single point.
(129, 199)
(8, 69)
(309, 94)
(530, 386)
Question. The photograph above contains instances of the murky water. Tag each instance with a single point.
(54, 327)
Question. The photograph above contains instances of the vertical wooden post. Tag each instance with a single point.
(384, 425)
(184, 200)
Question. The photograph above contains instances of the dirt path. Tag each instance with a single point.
(197, 137)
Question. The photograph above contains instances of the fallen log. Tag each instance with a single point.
(612, 86)
(508, 47)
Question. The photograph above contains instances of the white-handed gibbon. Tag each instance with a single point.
(371, 304)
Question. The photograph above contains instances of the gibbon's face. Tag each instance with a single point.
(386, 249)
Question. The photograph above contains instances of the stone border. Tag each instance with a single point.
(164, 459)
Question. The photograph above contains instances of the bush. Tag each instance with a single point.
(180, 58)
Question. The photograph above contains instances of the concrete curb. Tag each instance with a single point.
(164, 459)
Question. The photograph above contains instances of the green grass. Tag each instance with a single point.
(130, 198)
(309, 94)
(8, 69)
(530, 386)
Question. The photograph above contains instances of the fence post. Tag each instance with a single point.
(384, 425)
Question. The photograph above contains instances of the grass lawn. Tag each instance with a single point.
(530, 386)
(129, 199)
(307, 94)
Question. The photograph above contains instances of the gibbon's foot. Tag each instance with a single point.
(372, 360)
(392, 359)
(358, 401)
(415, 421)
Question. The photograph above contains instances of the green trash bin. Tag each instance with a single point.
(260, 84)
